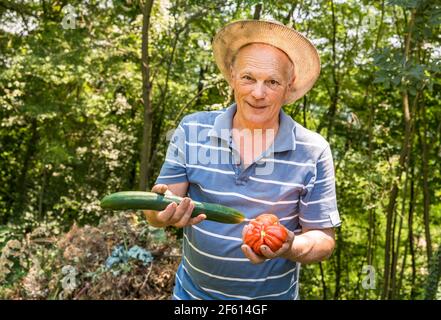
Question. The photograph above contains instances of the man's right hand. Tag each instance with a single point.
(173, 215)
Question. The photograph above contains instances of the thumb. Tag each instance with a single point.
(160, 188)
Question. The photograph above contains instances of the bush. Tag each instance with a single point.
(121, 258)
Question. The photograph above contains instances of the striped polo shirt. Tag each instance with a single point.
(293, 179)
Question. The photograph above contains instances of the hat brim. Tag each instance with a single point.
(299, 49)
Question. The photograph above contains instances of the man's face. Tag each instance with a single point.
(261, 77)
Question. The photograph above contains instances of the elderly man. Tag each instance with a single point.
(254, 158)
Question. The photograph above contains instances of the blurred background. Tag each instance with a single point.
(89, 90)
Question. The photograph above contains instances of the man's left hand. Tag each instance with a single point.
(267, 253)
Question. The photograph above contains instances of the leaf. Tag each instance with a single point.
(158, 234)
(121, 255)
(396, 80)
(140, 254)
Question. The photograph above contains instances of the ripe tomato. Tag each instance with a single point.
(268, 218)
(265, 230)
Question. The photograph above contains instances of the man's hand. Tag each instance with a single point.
(283, 252)
(173, 215)
(312, 245)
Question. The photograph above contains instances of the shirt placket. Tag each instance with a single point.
(236, 162)
(241, 174)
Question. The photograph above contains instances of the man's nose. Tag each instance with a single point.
(258, 91)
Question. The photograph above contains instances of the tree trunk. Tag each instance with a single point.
(410, 228)
(397, 294)
(322, 276)
(389, 246)
(395, 251)
(400, 228)
(329, 117)
(237, 10)
(371, 230)
(288, 17)
(338, 266)
(257, 11)
(41, 194)
(371, 121)
(160, 114)
(146, 91)
(305, 107)
(426, 191)
(22, 179)
(202, 71)
(401, 167)
(334, 98)
(160, 106)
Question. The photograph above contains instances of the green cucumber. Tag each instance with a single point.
(140, 200)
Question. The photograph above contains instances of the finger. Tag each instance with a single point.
(197, 219)
(291, 236)
(160, 188)
(165, 215)
(286, 246)
(267, 252)
(245, 230)
(246, 252)
(168, 193)
(180, 211)
(186, 217)
(249, 253)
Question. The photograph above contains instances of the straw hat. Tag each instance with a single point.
(299, 49)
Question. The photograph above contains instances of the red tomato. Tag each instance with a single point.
(268, 218)
(265, 230)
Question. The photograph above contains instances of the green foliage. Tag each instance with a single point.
(71, 118)
(434, 276)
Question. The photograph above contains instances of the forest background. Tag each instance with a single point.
(89, 91)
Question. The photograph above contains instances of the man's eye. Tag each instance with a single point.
(247, 78)
(274, 82)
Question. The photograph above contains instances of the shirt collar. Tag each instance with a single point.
(285, 139)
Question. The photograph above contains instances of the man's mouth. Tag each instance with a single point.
(255, 107)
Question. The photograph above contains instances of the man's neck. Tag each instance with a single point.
(252, 139)
(271, 126)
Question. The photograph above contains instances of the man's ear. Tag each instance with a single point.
(291, 83)
(290, 87)
(232, 74)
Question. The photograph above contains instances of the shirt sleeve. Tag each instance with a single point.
(174, 167)
(318, 205)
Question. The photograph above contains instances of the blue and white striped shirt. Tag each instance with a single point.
(293, 179)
